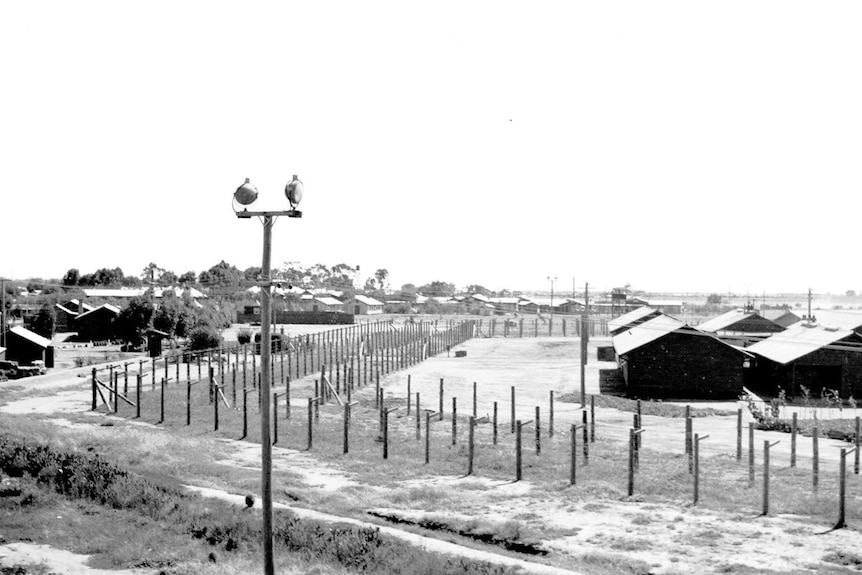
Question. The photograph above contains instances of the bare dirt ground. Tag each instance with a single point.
(670, 538)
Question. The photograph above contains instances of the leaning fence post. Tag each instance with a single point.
(215, 408)
(346, 433)
(538, 433)
(244, 413)
(518, 450)
(697, 440)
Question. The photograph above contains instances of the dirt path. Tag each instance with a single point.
(56, 560)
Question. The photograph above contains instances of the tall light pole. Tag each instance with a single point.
(552, 280)
(245, 195)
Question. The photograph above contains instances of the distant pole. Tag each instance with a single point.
(584, 329)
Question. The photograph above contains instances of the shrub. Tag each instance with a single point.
(243, 336)
(204, 337)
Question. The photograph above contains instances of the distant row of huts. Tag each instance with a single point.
(659, 356)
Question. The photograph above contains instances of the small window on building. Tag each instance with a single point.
(314, 309)
(356, 310)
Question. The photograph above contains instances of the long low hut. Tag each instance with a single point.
(665, 358)
(812, 356)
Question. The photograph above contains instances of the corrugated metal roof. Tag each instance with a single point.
(30, 336)
(367, 300)
(480, 297)
(796, 341)
(724, 320)
(631, 317)
(108, 292)
(107, 306)
(328, 300)
(645, 333)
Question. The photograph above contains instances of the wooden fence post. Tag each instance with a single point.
(188, 403)
(428, 415)
(418, 419)
(162, 403)
(518, 450)
(858, 446)
(494, 423)
(592, 419)
(93, 387)
(551, 416)
(586, 441)
(766, 446)
(574, 455)
(750, 453)
(697, 440)
(513, 409)
(793, 430)
(815, 459)
(475, 406)
(440, 412)
(138, 385)
(688, 438)
(454, 420)
(538, 433)
(409, 396)
(310, 421)
(739, 434)
(470, 448)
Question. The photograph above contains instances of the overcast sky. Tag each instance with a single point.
(672, 145)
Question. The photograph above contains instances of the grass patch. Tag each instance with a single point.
(648, 407)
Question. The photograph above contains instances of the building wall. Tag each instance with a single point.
(23, 350)
(684, 366)
(98, 326)
(831, 369)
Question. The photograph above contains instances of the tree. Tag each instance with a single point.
(850, 293)
(188, 278)
(714, 298)
(71, 277)
(476, 288)
(133, 321)
(175, 316)
(382, 278)
(103, 277)
(169, 278)
(437, 288)
(45, 321)
(251, 274)
(408, 288)
(221, 274)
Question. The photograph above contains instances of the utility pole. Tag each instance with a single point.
(810, 320)
(584, 331)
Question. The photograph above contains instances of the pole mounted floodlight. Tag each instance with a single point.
(244, 196)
